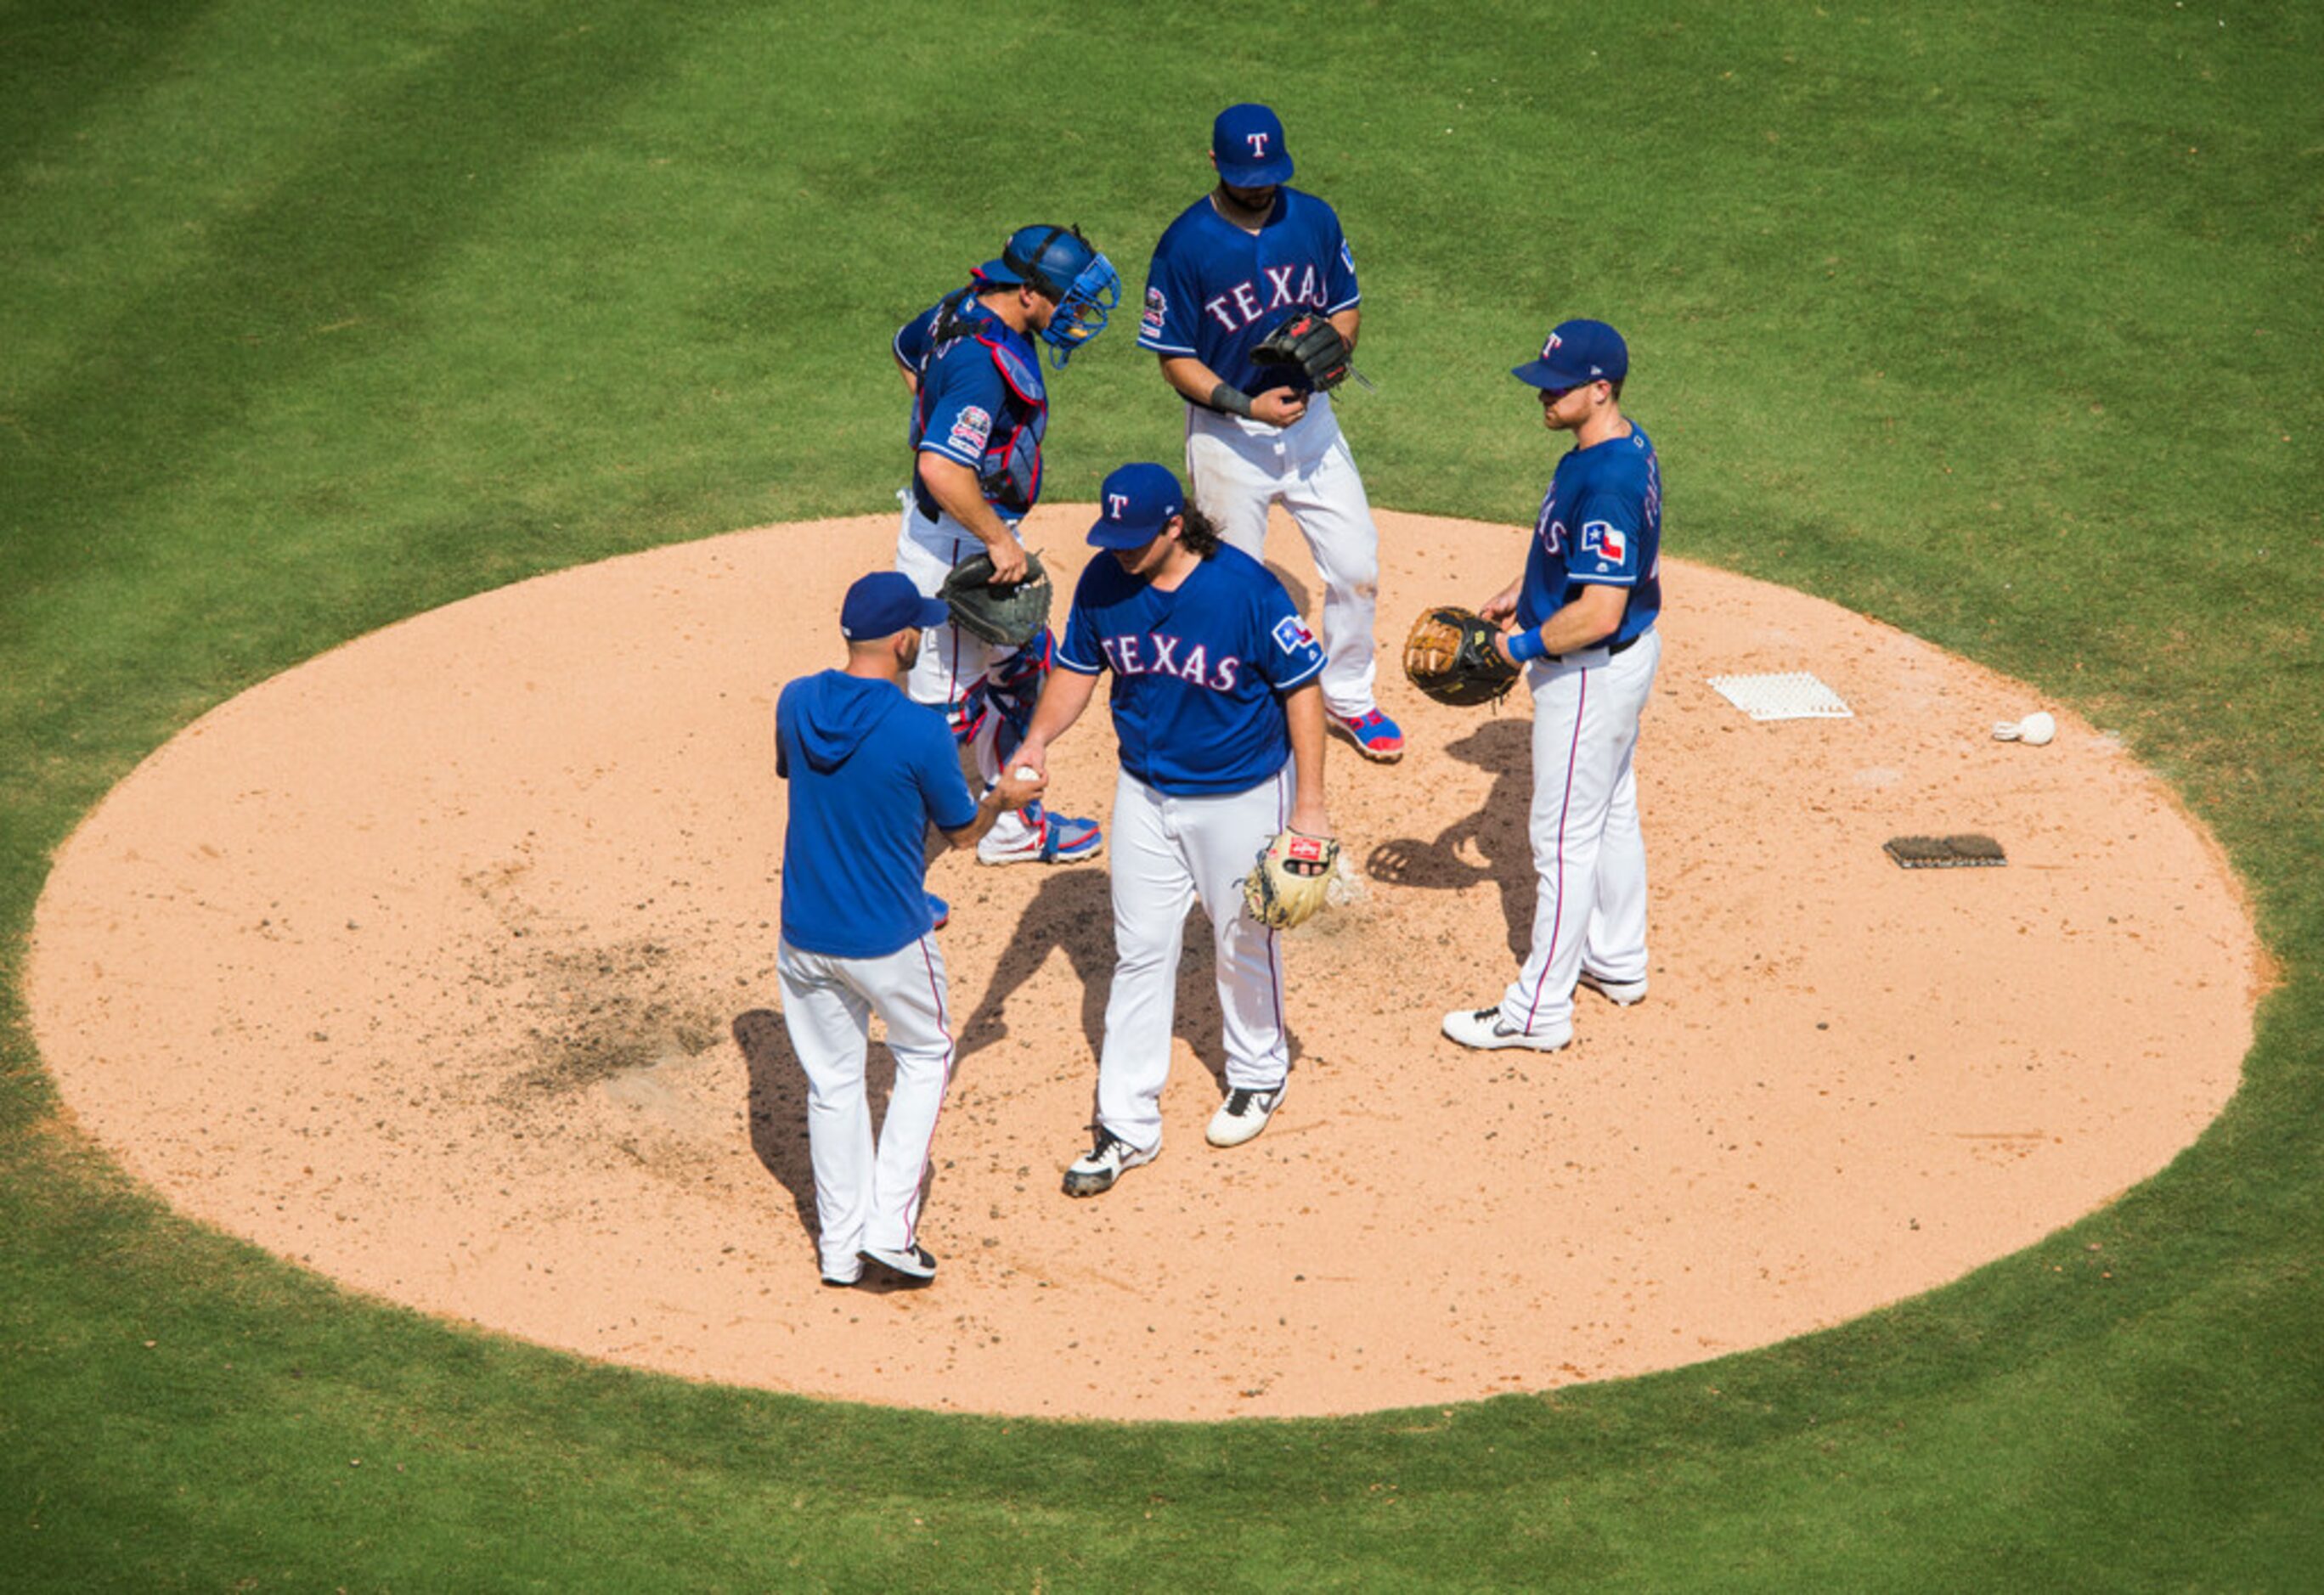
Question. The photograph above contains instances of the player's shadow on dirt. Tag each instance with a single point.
(1495, 835)
(1073, 914)
(778, 1106)
(778, 1115)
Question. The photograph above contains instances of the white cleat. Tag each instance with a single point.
(1096, 1169)
(1485, 1029)
(1621, 993)
(1242, 1116)
(914, 1264)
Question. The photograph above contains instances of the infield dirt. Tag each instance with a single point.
(444, 964)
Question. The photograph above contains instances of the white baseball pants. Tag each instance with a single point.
(1168, 854)
(1237, 468)
(867, 1192)
(952, 661)
(1587, 846)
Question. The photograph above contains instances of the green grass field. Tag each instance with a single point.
(1999, 322)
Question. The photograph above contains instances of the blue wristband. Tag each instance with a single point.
(1526, 646)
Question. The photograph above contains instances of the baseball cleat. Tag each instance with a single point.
(1242, 1115)
(1096, 1169)
(939, 910)
(1621, 993)
(1375, 737)
(917, 1265)
(843, 1281)
(1053, 839)
(1485, 1029)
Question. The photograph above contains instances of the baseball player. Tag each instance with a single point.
(1245, 257)
(870, 771)
(1582, 623)
(1220, 722)
(979, 410)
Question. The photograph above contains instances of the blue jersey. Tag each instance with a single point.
(1197, 672)
(869, 770)
(982, 403)
(1600, 523)
(1215, 291)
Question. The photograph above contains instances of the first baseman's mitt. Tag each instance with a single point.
(1286, 887)
(1451, 655)
(1308, 340)
(1009, 616)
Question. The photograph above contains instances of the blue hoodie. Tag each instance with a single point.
(869, 769)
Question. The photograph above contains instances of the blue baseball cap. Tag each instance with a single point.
(1134, 505)
(1575, 353)
(1247, 145)
(885, 602)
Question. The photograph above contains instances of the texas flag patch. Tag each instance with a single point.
(1291, 634)
(1605, 540)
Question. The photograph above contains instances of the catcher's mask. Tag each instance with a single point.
(1059, 263)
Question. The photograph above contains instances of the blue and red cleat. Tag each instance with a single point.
(1376, 735)
(1049, 839)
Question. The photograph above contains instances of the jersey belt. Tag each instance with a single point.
(1623, 647)
(932, 511)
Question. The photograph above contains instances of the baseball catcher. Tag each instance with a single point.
(972, 363)
(1007, 614)
(1308, 340)
(1452, 655)
(1286, 887)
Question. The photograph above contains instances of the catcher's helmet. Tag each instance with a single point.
(1063, 266)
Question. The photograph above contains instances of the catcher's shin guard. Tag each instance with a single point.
(1014, 687)
(967, 715)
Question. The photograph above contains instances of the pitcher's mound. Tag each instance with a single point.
(445, 965)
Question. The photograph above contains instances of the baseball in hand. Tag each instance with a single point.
(1026, 772)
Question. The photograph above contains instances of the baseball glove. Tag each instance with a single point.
(1287, 885)
(1009, 616)
(1450, 655)
(1308, 340)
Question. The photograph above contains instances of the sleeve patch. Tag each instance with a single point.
(1157, 311)
(971, 427)
(1603, 539)
(1292, 635)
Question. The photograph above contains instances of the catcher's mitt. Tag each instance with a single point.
(1450, 655)
(1308, 340)
(1287, 885)
(1011, 616)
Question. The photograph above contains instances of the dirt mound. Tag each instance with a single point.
(445, 965)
